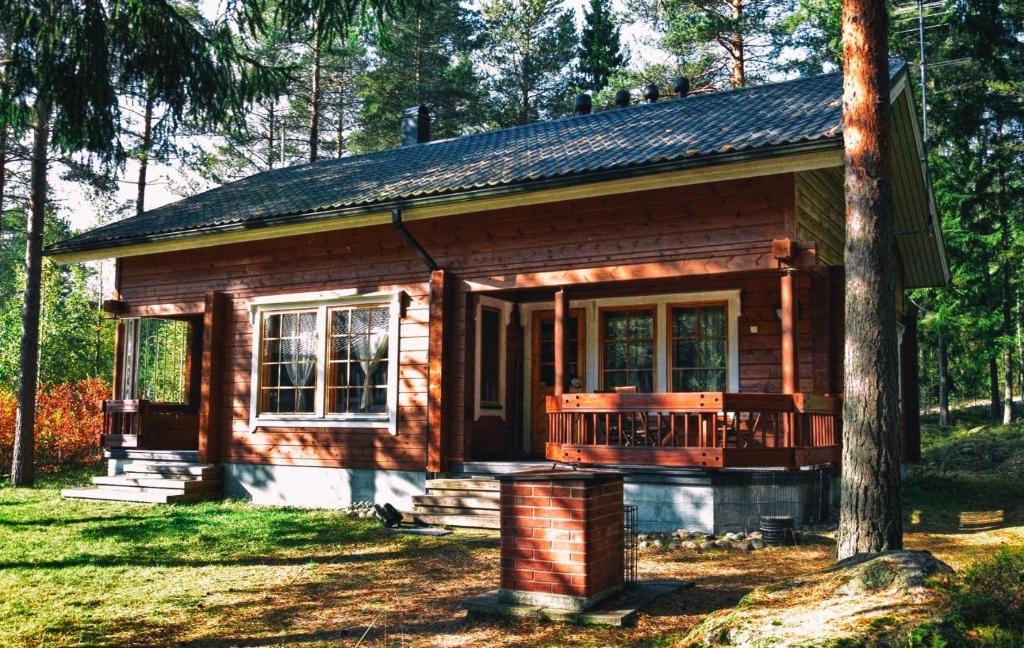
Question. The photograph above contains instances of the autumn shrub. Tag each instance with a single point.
(69, 420)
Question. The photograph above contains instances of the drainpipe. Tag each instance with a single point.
(396, 220)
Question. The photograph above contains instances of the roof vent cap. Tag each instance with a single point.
(651, 92)
(681, 87)
(583, 105)
(622, 98)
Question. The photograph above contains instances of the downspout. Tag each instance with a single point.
(396, 220)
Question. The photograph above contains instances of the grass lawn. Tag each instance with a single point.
(77, 573)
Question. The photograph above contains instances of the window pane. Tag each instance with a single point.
(699, 348)
(288, 363)
(490, 360)
(641, 325)
(684, 322)
(712, 353)
(616, 356)
(616, 324)
(685, 353)
(358, 359)
(712, 321)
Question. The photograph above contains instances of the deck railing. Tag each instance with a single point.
(123, 422)
(711, 430)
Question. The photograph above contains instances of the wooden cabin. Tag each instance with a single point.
(656, 287)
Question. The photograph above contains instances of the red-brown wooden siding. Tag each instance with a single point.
(709, 225)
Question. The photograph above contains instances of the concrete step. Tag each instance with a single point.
(172, 483)
(481, 494)
(182, 456)
(471, 484)
(457, 501)
(463, 521)
(135, 495)
(455, 510)
(171, 468)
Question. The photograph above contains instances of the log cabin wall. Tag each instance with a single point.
(725, 228)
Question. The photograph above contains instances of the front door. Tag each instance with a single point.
(543, 370)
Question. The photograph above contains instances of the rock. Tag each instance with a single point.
(849, 603)
(756, 543)
(754, 535)
(742, 545)
(657, 543)
(730, 536)
(691, 545)
(707, 544)
(724, 543)
(682, 533)
(740, 535)
(641, 537)
(642, 544)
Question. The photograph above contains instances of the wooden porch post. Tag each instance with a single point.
(210, 381)
(118, 360)
(561, 326)
(790, 379)
(909, 395)
(437, 423)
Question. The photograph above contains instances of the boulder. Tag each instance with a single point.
(867, 600)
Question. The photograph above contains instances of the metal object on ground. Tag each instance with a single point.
(629, 523)
(778, 530)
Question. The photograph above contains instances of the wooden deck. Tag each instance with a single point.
(706, 430)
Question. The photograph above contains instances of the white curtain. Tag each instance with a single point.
(298, 350)
(369, 346)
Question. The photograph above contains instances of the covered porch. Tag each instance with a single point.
(731, 370)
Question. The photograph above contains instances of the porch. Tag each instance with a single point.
(737, 370)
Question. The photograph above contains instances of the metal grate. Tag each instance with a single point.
(629, 543)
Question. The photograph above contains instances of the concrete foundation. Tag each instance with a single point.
(319, 487)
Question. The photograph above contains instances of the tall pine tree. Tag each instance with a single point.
(529, 50)
(422, 57)
(600, 52)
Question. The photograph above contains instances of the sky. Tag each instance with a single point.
(166, 181)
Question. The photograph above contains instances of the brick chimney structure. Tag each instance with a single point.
(561, 537)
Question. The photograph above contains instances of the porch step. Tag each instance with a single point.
(471, 502)
(154, 481)
(172, 484)
(171, 468)
(461, 521)
(148, 497)
(467, 484)
(181, 456)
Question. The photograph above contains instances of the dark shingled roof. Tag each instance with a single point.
(674, 132)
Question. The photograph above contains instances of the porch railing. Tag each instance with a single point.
(711, 430)
(123, 422)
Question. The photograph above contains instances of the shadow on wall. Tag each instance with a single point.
(321, 487)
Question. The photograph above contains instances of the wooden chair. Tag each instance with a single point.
(636, 427)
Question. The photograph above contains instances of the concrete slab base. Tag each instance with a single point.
(618, 610)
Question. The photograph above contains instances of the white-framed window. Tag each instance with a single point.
(492, 320)
(325, 360)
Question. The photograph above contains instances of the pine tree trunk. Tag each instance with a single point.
(1007, 295)
(146, 146)
(943, 381)
(314, 102)
(24, 428)
(3, 175)
(339, 145)
(870, 517)
(995, 402)
(270, 135)
(738, 71)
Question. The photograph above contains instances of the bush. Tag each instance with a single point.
(69, 421)
(993, 591)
